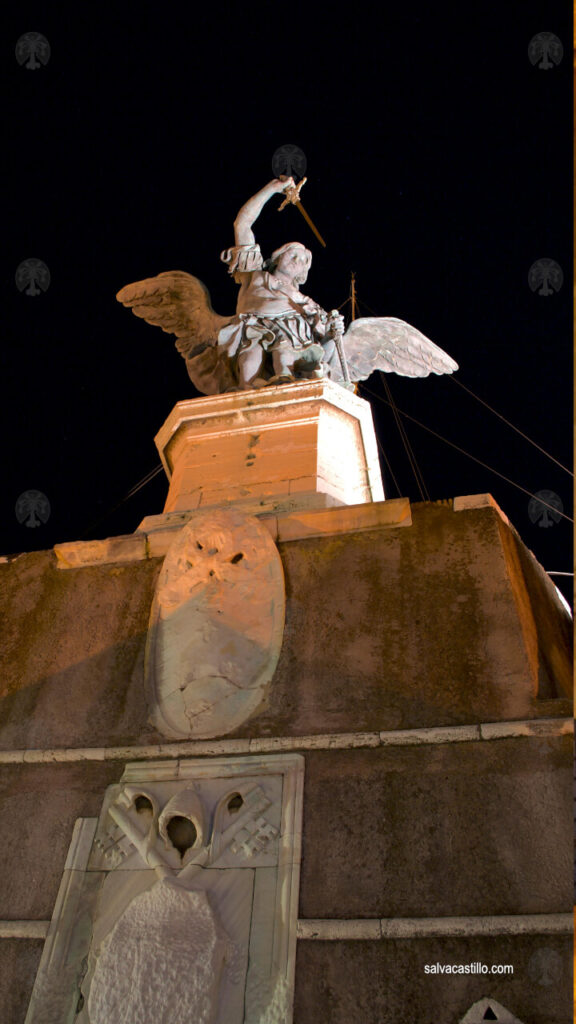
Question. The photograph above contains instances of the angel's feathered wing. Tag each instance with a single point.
(180, 304)
(391, 345)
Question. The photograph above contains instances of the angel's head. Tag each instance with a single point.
(292, 260)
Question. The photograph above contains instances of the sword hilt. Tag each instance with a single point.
(292, 194)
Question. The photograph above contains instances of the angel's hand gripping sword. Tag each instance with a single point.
(292, 195)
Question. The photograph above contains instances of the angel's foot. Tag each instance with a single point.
(310, 359)
(282, 378)
(318, 373)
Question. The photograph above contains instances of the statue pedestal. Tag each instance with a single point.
(304, 445)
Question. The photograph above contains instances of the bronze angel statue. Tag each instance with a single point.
(278, 335)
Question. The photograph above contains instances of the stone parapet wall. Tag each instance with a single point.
(423, 674)
(390, 983)
(391, 627)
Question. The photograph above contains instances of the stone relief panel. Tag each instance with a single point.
(488, 1009)
(180, 903)
(216, 626)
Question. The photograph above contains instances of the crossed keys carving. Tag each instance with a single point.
(245, 837)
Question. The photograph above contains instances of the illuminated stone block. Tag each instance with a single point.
(307, 445)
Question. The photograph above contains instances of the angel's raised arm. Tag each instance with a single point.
(249, 213)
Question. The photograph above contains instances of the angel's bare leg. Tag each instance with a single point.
(283, 358)
(250, 364)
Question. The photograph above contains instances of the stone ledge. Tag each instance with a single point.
(344, 519)
(24, 929)
(375, 929)
(530, 727)
(467, 502)
(442, 734)
(77, 554)
(486, 732)
(155, 534)
(432, 927)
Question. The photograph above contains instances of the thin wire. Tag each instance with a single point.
(495, 411)
(141, 483)
(474, 459)
(389, 467)
(145, 480)
(421, 484)
(518, 431)
(407, 446)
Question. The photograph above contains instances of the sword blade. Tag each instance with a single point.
(310, 223)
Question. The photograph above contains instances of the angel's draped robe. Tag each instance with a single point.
(214, 368)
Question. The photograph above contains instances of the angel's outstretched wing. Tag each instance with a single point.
(391, 345)
(179, 304)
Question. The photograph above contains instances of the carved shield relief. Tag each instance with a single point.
(180, 903)
(216, 626)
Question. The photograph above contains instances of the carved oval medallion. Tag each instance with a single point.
(216, 625)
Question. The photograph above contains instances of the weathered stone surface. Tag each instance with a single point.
(349, 519)
(398, 647)
(464, 502)
(371, 642)
(481, 819)
(19, 959)
(100, 552)
(72, 653)
(376, 982)
(38, 807)
(546, 634)
(216, 626)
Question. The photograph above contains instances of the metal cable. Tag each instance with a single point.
(474, 459)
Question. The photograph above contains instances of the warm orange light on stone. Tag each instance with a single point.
(306, 445)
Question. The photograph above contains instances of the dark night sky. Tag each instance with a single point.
(439, 170)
